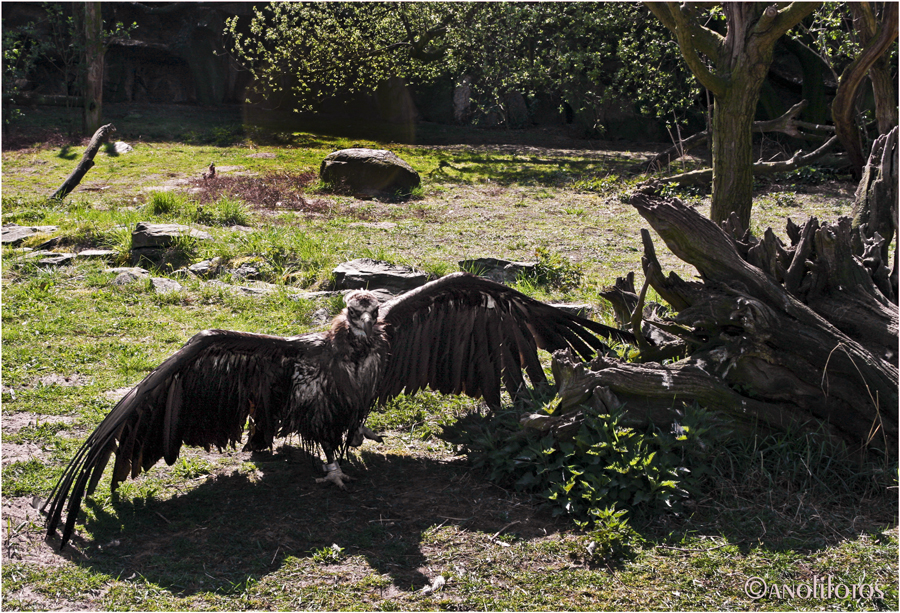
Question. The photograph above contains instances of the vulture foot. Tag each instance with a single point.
(365, 433)
(334, 475)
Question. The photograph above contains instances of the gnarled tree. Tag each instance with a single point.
(733, 68)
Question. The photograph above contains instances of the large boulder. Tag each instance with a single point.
(372, 172)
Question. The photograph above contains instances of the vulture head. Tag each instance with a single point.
(361, 313)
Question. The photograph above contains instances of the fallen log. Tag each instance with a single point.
(86, 163)
(784, 337)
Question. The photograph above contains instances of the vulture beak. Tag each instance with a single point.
(368, 323)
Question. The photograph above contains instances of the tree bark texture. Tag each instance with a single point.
(784, 337)
(883, 86)
(741, 60)
(86, 163)
(876, 202)
(843, 108)
(94, 52)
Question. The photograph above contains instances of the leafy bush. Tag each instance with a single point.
(606, 466)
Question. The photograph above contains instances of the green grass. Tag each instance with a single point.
(236, 531)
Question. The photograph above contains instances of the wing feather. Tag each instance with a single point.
(465, 334)
(201, 395)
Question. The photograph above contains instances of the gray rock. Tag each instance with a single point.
(206, 268)
(372, 172)
(97, 254)
(13, 234)
(158, 235)
(128, 275)
(582, 310)
(245, 271)
(154, 242)
(495, 269)
(38, 253)
(132, 269)
(372, 274)
(57, 259)
(161, 285)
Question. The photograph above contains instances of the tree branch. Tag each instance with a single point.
(774, 23)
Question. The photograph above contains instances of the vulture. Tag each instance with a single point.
(460, 334)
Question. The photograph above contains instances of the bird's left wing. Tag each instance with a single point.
(466, 334)
(202, 395)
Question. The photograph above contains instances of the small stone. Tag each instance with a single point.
(97, 254)
(128, 275)
(161, 285)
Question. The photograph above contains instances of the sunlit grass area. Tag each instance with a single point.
(424, 526)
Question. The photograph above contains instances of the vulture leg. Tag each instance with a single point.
(365, 433)
(333, 472)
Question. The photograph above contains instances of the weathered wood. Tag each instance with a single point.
(831, 361)
(86, 163)
(876, 200)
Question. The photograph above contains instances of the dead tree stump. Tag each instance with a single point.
(798, 337)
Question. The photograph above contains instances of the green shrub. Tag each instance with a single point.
(604, 467)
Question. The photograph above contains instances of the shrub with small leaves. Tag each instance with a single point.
(606, 465)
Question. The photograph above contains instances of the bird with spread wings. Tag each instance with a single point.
(460, 334)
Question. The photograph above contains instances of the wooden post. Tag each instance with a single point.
(86, 163)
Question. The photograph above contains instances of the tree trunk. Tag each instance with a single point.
(741, 61)
(843, 108)
(93, 52)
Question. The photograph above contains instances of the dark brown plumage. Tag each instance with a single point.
(458, 335)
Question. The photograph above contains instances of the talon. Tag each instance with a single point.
(335, 475)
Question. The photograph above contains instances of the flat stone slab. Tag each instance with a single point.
(57, 259)
(97, 254)
(366, 273)
(495, 269)
(368, 171)
(13, 234)
(582, 310)
(158, 235)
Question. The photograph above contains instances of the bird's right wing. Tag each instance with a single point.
(203, 395)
